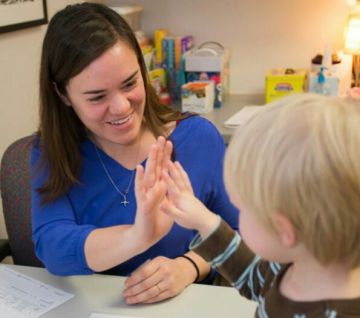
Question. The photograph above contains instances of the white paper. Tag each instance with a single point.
(97, 315)
(24, 297)
(242, 116)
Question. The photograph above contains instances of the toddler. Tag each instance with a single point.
(293, 170)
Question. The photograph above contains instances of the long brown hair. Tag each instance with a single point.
(75, 37)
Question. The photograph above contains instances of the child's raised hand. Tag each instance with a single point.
(182, 205)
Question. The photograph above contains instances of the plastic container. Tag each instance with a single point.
(341, 67)
(132, 15)
(323, 83)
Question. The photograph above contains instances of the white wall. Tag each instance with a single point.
(19, 65)
(261, 35)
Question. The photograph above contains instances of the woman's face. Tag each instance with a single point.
(109, 96)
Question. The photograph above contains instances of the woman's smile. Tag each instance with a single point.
(121, 121)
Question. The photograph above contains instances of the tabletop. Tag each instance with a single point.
(103, 294)
(231, 105)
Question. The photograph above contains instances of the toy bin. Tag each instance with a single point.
(282, 82)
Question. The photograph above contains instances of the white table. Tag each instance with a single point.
(231, 105)
(103, 294)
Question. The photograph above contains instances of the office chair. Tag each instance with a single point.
(15, 188)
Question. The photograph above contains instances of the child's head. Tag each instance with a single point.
(300, 157)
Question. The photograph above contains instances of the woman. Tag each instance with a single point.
(98, 120)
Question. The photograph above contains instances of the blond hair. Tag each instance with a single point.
(300, 157)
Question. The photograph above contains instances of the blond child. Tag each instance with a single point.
(294, 172)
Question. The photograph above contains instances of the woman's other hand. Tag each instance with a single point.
(158, 279)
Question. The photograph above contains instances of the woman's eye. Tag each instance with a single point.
(96, 98)
(130, 84)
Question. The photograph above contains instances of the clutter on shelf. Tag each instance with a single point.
(329, 74)
(177, 62)
(173, 61)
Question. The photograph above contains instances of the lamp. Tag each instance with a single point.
(352, 42)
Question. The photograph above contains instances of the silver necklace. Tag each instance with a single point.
(124, 202)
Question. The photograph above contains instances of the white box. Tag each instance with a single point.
(197, 97)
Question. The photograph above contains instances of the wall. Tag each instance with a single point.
(19, 64)
(261, 34)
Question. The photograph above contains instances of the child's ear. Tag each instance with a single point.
(285, 230)
(63, 97)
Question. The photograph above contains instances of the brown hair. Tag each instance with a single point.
(300, 157)
(75, 37)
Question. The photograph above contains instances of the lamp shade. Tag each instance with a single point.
(352, 36)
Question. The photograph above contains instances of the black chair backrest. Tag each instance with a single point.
(16, 201)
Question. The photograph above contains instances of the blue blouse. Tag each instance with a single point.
(61, 227)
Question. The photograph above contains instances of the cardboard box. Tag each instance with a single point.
(282, 82)
(197, 97)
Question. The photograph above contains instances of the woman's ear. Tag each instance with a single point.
(285, 230)
(64, 98)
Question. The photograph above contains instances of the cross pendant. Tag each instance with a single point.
(125, 202)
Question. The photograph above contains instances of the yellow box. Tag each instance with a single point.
(281, 82)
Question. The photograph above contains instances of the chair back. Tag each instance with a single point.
(15, 187)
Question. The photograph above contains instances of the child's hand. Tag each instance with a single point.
(182, 205)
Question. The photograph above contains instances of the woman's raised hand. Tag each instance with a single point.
(151, 224)
(162, 277)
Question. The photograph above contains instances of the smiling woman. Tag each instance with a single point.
(102, 142)
(108, 97)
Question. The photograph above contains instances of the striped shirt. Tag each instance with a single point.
(259, 280)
